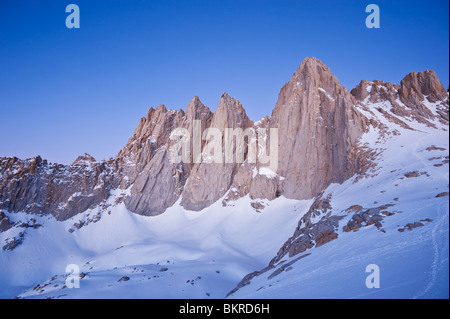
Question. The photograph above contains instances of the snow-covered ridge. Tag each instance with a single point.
(407, 235)
(185, 254)
(137, 226)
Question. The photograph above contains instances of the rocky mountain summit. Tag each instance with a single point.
(202, 204)
(319, 124)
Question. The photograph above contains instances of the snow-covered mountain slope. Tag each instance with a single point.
(407, 191)
(185, 254)
(362, 180)
(204, 252)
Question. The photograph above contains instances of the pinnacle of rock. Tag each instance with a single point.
(230, 113)
(417, 85)
(196, 110)
(85, 158)
(318, 121)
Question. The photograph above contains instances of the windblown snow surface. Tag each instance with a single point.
(185, 254)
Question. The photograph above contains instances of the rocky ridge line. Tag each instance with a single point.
(319, 124)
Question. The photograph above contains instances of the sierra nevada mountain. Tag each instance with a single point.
(355, 168)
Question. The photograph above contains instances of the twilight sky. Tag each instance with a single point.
(64, 92)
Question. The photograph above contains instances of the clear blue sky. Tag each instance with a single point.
(65, 91)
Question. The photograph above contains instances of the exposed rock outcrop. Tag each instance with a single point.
(210, 181)
(319, 125)
(5, 224)
(364, 218)
(35, 186)
(420, 96)
(309, 234)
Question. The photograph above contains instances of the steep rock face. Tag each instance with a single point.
(417, 88)
(250, 178)
(317, 128)
(34, 186)
(196, 111)
(210, 181)
(376, 91)
(319, 125)
(417, 85)
(420, 96)
(156, 182)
